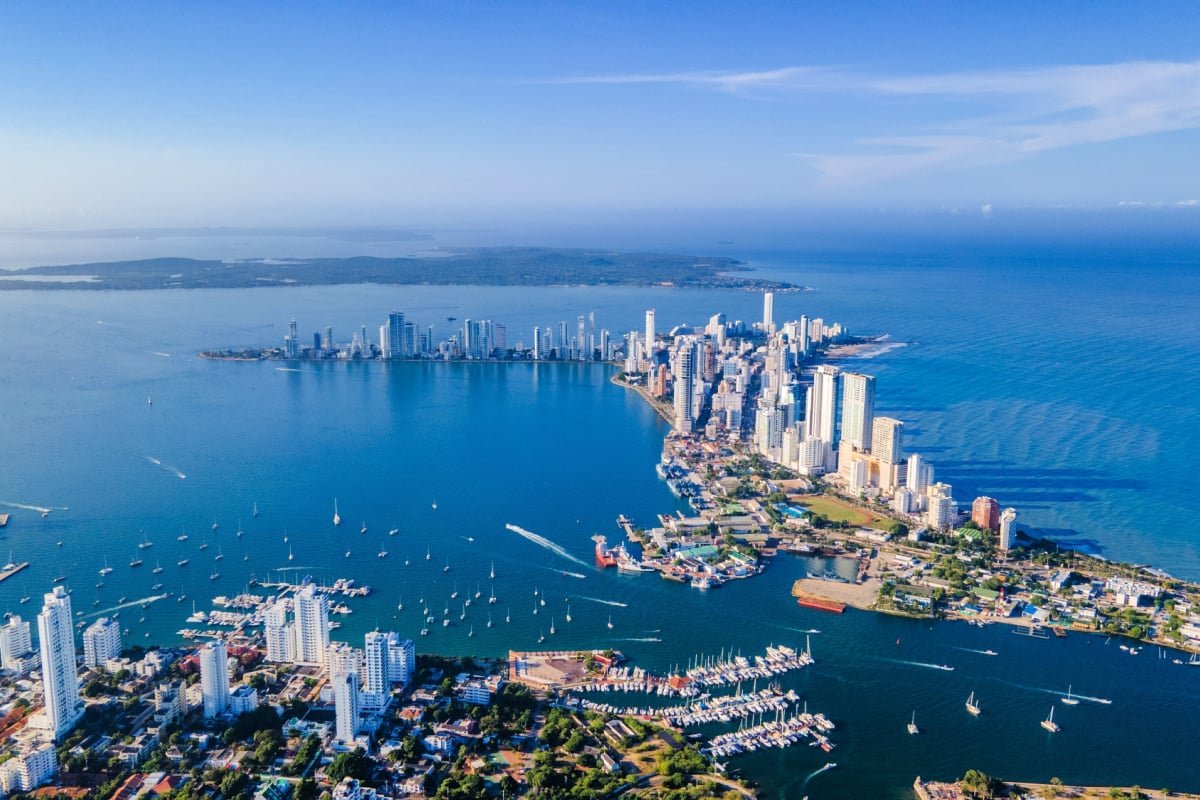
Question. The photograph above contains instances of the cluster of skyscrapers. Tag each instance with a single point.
(297, 632)
(754, 382)
(474, 340)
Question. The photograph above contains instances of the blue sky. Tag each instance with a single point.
(207, 114)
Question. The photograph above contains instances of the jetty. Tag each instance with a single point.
(11, 569)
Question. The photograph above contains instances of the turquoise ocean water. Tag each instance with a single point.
(1056, 383)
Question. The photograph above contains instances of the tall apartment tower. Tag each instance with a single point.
(15, 642)
(769, 312)
(214, 678)
(985, 512)
(1008, 529)
(312, 626)
(650, 333)
(858, 409)
(101, 641)
(345, 704)
(60, 677)
(685, 379)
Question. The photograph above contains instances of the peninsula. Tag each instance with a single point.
(484, 266)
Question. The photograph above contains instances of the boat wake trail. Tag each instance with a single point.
(639, 639)
(27, 507)
(616, 603)
(812, 631)
(815, 773)
(288, 369)
(942, 667)
(174, 471)
(162, 354)
(542, 541)
(1057, 693)
(154, 598)
(977, 652)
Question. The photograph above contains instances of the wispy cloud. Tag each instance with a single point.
(1022, 112)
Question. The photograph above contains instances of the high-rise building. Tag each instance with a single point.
(327, 341)
(538, 355)
(15, 643)
(942, 511)
(60, 676)
(887, 440)
(402, 659)
(395, 335)
(375, 663)
(685, 377)
(769, 312)
(28, 768)
(214, 678)
(650, 334)
(919, 476)
(858, 409)
(345, 704)
(985, 512)
(280, 633)
(1008, 529)
(312, 625)
(101, 641)
(821, 413)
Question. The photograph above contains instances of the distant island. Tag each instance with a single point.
(488, 266)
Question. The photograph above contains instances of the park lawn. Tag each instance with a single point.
(837, 511)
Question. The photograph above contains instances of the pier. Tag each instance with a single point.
(11, 569)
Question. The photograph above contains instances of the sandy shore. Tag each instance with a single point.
(855, 595)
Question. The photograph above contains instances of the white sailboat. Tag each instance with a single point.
(492, 571)
(239, 530)
(492, 596)
(973, 707)
(610, 625)
(157, 567)
(507, 613)
(489, 619)
(552, 626)
(337, 518)
(1049, 724)
(254, 513)
(105, 570)
(568, 612)
(1070, 700)
(383, 553)
(454, 593)
(291, 555)
(363, 529)
(913, 730)
(427, 553)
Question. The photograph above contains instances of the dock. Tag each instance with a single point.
(12, 569)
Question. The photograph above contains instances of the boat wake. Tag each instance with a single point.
(812, 631)
(154, 598)
(162, 354)
(288, 369)
(167, 467)
(977, 652)
(639, 639)
(542, 541)
(1056, 692)
(616, 603)
(39, 509)
(881, 349)
(815, 773)
(942, 667)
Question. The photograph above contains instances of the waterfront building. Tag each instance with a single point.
(345, 704)
(279, 632)
(821, 412)
(214, 678)
(1008, 529)
(919, 476)
(650, 335)
(312, 626)
(858, 410)
(16, 644)
(101, 641)
(29, 768)
(768, 322)
(684, 370)
(985, 512)
(887, 453)
(395, 335)
(376, 671)
(60, 677)
(942, 512)
(402, 659)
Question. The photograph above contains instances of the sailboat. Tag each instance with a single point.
(435, 505)
(447, 567)
(535, 608)
(454, 593)
(383, 553)
(610, 625)
(507, 613)
(214, 525)
(157, 567)
(291, 555)
(477, 592)
(239, 530)
(463, 615)
(219, 554)
(541, 637)
(1069, 700)
(337, 518)
(492, 596)
(568, 612)
(135, 562)
(105, 570)
(400, 605)
(363, 529)
(972, 706)
(145, 542)
(1049, 724)
(912, 725)
(427, 554)
(492, 572)
(471, 632)
(552, 626)
(182, 537)
(254, 513)
(489, 619)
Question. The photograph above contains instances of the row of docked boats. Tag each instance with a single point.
(778, 660)
(778, 733)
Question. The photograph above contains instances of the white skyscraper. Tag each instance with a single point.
(402, 659)
(214, 678)
(685, 377)
(60, 676)
(1008, 529)
(101, 641)
(15, 642)
(375, 663)
(919, 476)
(345, 704)
(769, 312)
(858, 409)
(650, 333)
(942, 511)
(280, 633)
(820, 416)
(312, 626)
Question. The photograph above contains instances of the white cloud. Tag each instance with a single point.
(727, 81)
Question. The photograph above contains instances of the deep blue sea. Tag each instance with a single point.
(1055, 379)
